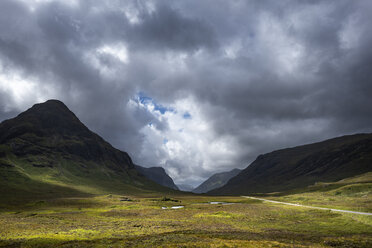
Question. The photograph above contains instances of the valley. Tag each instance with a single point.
(139, 220)
(62, 185)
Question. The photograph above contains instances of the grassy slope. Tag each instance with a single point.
(353, 193)
(22, 182)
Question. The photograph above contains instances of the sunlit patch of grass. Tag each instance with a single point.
(220, 214)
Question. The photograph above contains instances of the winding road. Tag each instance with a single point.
(299, 205)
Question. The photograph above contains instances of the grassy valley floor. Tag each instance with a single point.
(117, 221)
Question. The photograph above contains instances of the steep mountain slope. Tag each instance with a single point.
(46, 151)
(301, 166)
(158, 175)
(216, 180)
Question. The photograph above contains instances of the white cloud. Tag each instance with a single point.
(108, 59)
(118, 51)
(189, 144)
(232, 50)
(23, 90)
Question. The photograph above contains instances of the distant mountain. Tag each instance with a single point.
(185, 187)
(215, 181)
(46, 151)
(158, 175)
(301, 166)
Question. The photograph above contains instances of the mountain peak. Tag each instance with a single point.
(51, 107)
(46, 119)
(52, 103)
(50, 127)
(53, 116)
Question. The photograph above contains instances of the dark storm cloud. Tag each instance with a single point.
(166, 29)
(262, 75)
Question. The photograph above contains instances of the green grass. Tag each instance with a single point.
(21, 181)
(105, 221)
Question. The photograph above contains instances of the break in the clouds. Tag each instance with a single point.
(197, 87)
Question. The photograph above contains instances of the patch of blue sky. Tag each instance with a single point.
(142, 98)
(187, 115)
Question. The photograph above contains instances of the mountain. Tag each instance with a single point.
(185, 187)
(158, 175)
(216, 181)
(301, 166)
(46, 151)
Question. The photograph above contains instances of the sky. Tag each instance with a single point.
(197, 86)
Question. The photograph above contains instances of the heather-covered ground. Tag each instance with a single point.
(117, 221)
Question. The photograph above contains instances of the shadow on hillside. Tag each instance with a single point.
(23, 190)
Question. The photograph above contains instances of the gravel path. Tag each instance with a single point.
(299, 205)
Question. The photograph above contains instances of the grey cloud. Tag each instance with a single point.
(165, 28)
(217, 52)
